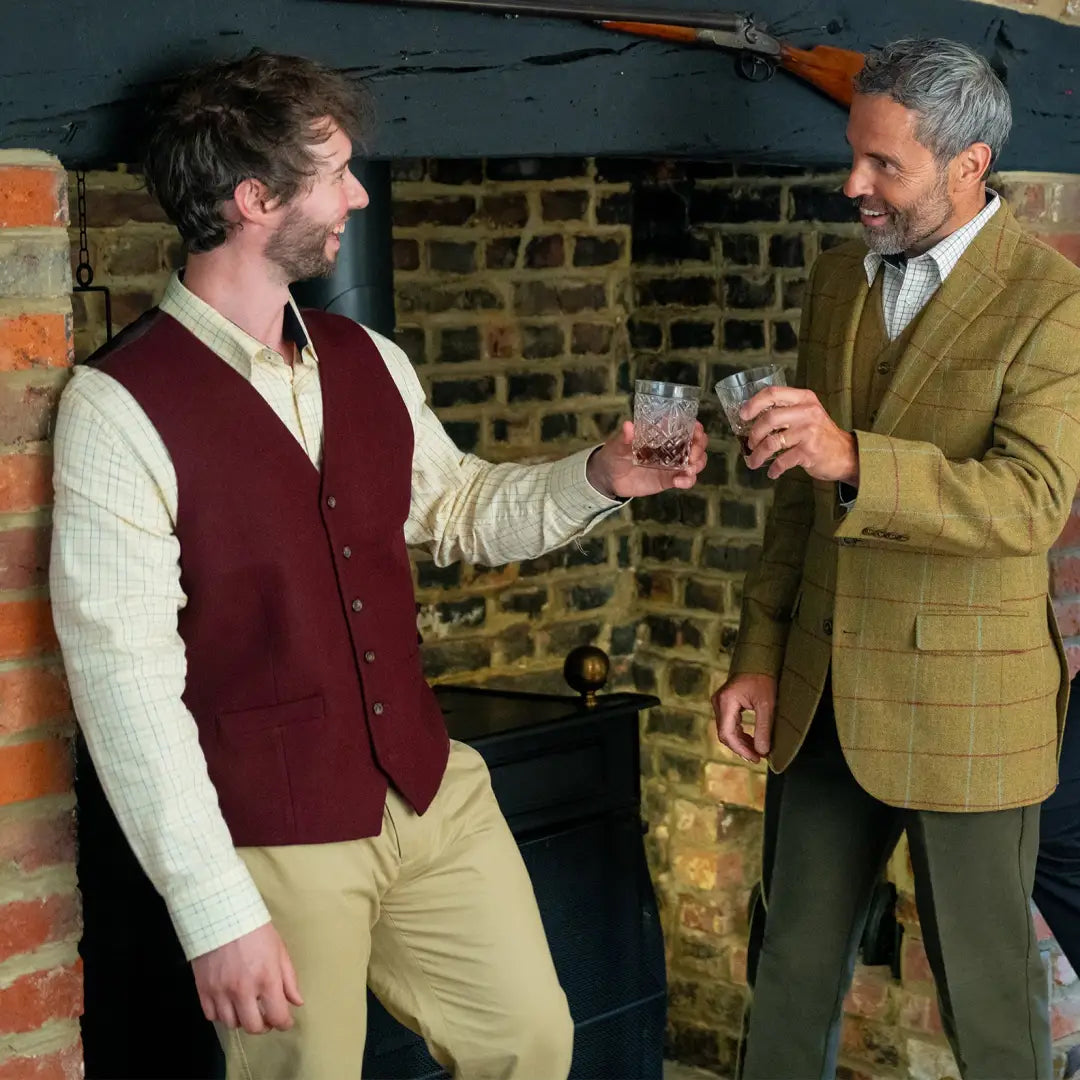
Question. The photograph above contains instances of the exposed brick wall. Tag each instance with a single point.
(529, 295)
(40, 977)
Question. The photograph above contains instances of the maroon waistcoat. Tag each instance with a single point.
(303, 672)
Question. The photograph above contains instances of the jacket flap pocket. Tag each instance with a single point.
(269, 717)
(956, 632)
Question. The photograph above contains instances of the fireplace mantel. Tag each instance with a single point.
(461, 84)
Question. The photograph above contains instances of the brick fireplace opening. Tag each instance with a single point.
(529, 293)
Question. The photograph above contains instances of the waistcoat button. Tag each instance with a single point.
(369, 656)
(883, 369)
(358, 605)
(347, 552)
(331, 501)
(827, 626)
(378, 708)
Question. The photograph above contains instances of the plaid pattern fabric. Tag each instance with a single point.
(907, 288)
(929, 598)
(115, 580)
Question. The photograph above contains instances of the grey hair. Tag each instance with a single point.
(956, 95)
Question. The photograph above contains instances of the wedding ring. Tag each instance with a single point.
(783, 442)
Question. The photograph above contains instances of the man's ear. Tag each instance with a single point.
(253, 202)
(971, 165)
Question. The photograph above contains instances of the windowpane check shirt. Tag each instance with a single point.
(116, 593)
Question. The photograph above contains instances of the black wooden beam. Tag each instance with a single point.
(73, 77)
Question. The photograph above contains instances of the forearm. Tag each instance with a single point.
(911, 494)
(470, 509)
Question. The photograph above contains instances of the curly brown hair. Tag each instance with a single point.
(254, 118)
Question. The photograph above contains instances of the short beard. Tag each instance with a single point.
(908, 229)
(298, 247)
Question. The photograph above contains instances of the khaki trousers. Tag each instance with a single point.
(438, 915)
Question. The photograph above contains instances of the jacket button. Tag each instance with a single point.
(883, 369)
(378, 709)
(347, 552)
(358, 605)
(369, 656)
(826, 625)
(331, 501)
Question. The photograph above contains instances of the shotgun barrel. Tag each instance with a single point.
(758, 52)
(751, 34)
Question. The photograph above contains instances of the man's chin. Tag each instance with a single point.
(882, 240)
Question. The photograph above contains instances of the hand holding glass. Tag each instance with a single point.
(664, 416)
(737, 389)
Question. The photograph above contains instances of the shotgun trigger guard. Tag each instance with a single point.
(754, 67)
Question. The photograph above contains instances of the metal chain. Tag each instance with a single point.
(84, 272)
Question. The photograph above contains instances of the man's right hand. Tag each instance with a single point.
(756, 693)
(248, 983)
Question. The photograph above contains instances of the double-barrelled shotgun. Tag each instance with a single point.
(758, 52)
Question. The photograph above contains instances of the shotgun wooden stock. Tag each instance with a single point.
(830, 69)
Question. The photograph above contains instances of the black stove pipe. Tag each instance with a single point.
(362, 284)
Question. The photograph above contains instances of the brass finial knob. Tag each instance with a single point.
(586, 671)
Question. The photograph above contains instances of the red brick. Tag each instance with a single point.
(1072, 656)
(33, 1000)
(1064, 1016)
(1070, 535)
(1067, 243)
(919, 1012)
(24, 561)
(1042, 927)
(27, 412)
(31, 844)
(25, 482)
(913, 961)
(1067, 609)
(30, 196)
(1064, 574)
(107, 208)
(29, 341)
(26, 925)
(706, 918)
(735, 784)
(66, 1064)
(26, 629)
(30, 770)
(1027, 201)
(30, 696)
(868, 995)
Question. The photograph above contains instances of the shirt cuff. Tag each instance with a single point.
(207, 918)
(573, 494)
(846, 494)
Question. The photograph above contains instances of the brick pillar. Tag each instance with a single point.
(40, 972)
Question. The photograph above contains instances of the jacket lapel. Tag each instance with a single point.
(847, 310)
(970, 286)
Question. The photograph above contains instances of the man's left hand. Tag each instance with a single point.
(611, 469)
(793, 425)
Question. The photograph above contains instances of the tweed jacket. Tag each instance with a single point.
(928, 599)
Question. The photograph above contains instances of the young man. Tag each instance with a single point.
(897, 644)
(236, 485)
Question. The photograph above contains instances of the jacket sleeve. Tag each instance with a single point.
(771, 586)
(1016, 499)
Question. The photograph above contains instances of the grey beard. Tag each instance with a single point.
(887, 240)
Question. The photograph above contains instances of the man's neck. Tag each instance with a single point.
(963, 213)
(239, 288)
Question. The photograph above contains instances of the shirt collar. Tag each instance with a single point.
(945, 254)
(224, 338)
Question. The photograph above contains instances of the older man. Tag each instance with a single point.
(897, 645)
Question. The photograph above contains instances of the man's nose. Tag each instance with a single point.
(857, 183)
(358, 196)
